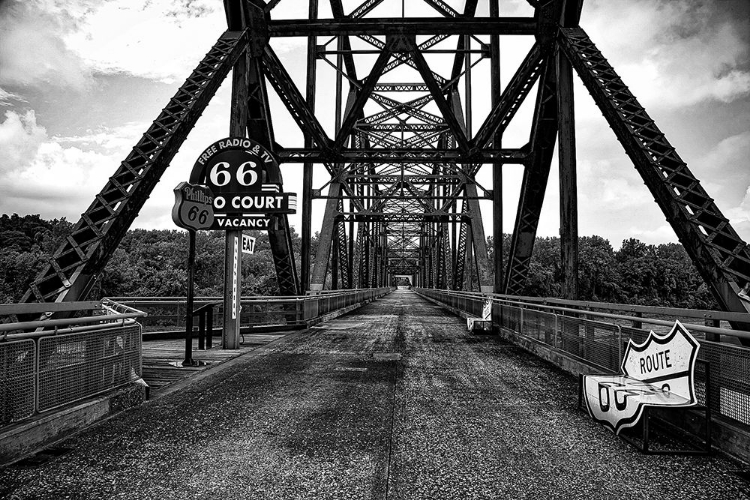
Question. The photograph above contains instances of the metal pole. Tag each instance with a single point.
(189, 306)
(202, 330)
(209, 326)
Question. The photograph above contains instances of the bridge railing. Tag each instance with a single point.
(596, 334)
(168, 313)
(45, 364)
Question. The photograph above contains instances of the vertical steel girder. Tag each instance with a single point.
(279, 232)
(460, 262)
(358, 257)
(568, 178)
(344, 269)
(534, 183)
(447, 264)
(718, 253)
(476, 226)
(73, 267)
(325, 240)
(307, 174)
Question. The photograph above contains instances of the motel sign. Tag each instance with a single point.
(234, 169)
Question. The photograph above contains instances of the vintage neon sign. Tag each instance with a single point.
(236, 170)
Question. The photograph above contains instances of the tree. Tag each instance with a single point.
(598, 278)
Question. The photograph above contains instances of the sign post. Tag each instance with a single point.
(232, 292)
(235, 169)
(193, 210)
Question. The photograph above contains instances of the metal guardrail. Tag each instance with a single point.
(599, 338)
(168, 313)
(48, 363)
(45, 364)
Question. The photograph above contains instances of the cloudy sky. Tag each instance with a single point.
(81, 80)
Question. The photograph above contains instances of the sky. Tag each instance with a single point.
(82, 80)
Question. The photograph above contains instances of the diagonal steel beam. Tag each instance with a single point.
(442, 7)
(515, 93)
(362, 95)
(718, 252)
(534, 183)
(439, 98)
(73, 267)
(338, 12)
(293, 101)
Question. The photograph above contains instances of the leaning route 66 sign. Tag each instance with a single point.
(193, 206)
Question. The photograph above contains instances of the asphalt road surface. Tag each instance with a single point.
(393, 401)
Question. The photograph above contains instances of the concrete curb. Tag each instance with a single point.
(26, 438)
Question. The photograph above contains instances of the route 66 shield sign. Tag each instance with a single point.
(193, 207)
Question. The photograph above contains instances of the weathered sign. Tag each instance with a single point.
(248, 244)
(658, 372)
(235, 170)
(487, 310)
(193, 207)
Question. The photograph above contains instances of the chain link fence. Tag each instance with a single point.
(46, 364)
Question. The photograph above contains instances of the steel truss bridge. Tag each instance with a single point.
(403, 156)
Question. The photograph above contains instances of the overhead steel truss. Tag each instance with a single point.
(397, 140)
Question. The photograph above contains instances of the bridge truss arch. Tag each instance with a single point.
(401, 153)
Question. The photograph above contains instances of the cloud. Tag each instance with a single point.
(38, 175)
(739, 217)
(724, 171)
(674, 53)
(6, 97)
(66, 44)
(661, 234)
(20, 138)
(32, 48)
(120, 138)
(152, 39)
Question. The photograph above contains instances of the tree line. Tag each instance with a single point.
(147, 263)
(154, 263)
(637, 273)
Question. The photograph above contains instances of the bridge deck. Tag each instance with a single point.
(394, 400)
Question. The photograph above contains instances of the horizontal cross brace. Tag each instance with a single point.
(411, 26)
(301, 155)
(399, 198)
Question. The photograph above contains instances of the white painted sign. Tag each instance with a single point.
(487, 310)
(248, 244)
(658, 372)
(235, 257)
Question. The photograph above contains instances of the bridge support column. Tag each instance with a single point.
(233, 240)
(325, 241)
(568, 182)
(479, 240)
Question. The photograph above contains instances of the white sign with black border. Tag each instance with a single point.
(248, 244)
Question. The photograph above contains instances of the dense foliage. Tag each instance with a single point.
(146, 263)
(637, 273)
(154, 263)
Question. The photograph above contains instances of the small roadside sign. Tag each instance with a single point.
(248, 244)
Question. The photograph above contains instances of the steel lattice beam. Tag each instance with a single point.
(85, 252)
(719, 254)
(534, 183)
